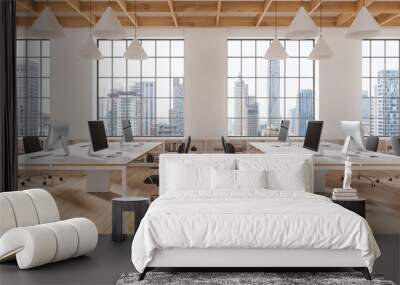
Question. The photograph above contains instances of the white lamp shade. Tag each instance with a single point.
(275, 51)
(363, 26)
(109, 26)
(47, 26)
(135, 51)
(302, 26)
(321, 50)
(90, 50)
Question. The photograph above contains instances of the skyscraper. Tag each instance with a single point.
(306, 109)
(177, 108)
(274, 92)
(385, 106)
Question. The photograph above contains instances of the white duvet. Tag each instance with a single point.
(250, 219)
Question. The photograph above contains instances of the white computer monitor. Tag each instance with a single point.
(353, 134)
(58, 137)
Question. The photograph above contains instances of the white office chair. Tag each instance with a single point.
(31, 231)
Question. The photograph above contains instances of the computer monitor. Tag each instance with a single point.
(127, 130)
(313, 135)
(284, 131)
(57, 137)
(353, 133)
(98, 135)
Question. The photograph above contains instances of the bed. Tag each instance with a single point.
(246, 211)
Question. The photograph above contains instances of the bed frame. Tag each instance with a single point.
(242, 259)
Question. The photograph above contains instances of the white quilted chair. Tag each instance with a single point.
(31, 230)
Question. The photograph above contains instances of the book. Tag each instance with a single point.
(341, 190)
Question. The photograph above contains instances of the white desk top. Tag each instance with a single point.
(114, 155)
(331, 154)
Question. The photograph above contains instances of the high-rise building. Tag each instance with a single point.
(29, 111)
(177, 108)
(385, 106)
(274, 92)
(306, 109)
(365, 111)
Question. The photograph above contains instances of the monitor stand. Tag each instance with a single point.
(346, 146)
(64, 143)
(92, 153)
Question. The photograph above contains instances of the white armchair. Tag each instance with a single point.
(31, 230)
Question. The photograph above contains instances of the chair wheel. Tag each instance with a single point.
(44, 183)
(22, 183)
(50, 176)
(342, 178)
(61, 179)
(390, 179)
(29, 180)
(377, 181)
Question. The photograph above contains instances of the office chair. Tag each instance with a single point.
(188, 141)
(395, 141)
(371, 144)
(155, 178)
(33, 144)
(230, 148)
(223, 143)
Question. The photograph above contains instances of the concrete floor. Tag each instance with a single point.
(110, 260)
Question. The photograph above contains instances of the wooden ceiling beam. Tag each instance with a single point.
(76, 5)
(344, 18)
(219, 4)
(172, 11)
(124, 7)
(267, 5)
(384, 19)
(27, 5)
(315, 4)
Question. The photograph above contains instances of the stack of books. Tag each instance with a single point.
(344, 194)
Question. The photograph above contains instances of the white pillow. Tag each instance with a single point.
(251, 178)
(291, 178)
(223, 179)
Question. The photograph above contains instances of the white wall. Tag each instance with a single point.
(73, 88)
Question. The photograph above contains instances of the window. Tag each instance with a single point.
(261, 93)
(380, 87)
(150, 93)
(33, 83)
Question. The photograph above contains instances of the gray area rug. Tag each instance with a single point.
(269, 278)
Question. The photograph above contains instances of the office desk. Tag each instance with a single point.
(97, 168)
(331, 159)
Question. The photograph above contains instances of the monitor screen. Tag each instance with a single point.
(313, 135)
(98, 135)
(284, 131)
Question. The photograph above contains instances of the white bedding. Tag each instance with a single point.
(251, 218)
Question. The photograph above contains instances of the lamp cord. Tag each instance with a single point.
(90, 22)
(320, 17)
(136, 21)
(276, 19)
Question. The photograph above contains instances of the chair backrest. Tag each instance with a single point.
(223, 143)
(396, 144)
(32, 144)
(181, 148)
(27, 208)
(372, 143)
(189, 139)
(229, 148)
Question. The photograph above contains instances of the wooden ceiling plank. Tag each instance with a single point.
(124, 7)
(172, 11)
(346, 17)
(76, 5)
(267, 5)
(219, 4)
(384, 19)
(27, 5)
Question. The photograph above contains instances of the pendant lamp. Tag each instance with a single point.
(321, 49)
(90, 50)
(135, 50)
(302, 26)
(363, 26)
(109, 26)
(276, 50)
(47, 26)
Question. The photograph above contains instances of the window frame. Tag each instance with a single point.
(370, 79)
(284, 77)
(43, 130)
(142, 79)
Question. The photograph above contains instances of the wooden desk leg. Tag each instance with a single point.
(124, 173)
(116, 222)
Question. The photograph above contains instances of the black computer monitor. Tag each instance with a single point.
(313, 135)
(98, 135)
(284, 131)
